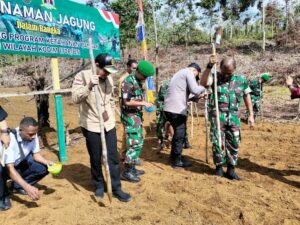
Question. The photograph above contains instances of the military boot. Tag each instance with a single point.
(219, 171)
(186, 144)
(230, 173)
(129, 174)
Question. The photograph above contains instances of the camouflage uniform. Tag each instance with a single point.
(160, 117)
(256, 95)
(230, 95)
(132, 118)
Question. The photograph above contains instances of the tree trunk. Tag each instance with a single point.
(42, 104)
(263, 27)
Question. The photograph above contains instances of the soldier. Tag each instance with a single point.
(131, 66)
(160, 117)
(256, 86)
(132, 118)
(232, 88)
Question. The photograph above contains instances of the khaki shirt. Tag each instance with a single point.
(86, 100)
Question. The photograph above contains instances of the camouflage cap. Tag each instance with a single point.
(265, 76)
(145, 68)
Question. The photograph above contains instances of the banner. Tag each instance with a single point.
(57, 28)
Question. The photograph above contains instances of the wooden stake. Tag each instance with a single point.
(102, 134)
(192, 120)
(206, 130)
(216, 99)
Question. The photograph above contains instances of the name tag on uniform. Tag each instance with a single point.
(105, 116)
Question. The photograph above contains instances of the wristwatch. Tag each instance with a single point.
(5, 131)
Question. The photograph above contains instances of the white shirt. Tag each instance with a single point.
(13, 154)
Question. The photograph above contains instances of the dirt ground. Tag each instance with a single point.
(269, 192)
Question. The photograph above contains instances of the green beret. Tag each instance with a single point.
(145, 68)
(265, 76)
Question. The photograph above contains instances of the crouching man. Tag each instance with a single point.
(24, 163)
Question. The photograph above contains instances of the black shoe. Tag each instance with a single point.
(187, 145)
(129, 175)
(122, 196)
(138, 172)
(5, 203)
(219, 171)
(180, 163)
(230, 173)
(99, 192)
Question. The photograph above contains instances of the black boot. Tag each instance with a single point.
(129, 175)
(230, 173)
(138, 172)
(178, 162)
(219, 171)
(121, 195)
(187, 145)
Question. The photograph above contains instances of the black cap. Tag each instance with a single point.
(196, 66)
(107, 62)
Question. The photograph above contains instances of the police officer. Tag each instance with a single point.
(256, 86)
(132, 117)
(231, 88)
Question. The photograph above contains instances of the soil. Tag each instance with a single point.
(269, 164)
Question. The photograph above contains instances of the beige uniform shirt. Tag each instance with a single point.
(86, 100)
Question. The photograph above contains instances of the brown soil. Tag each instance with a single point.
(268, 194)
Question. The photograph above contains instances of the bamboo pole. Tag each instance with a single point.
(6, 95)
(216, 99)
(192, 120)
(206, 129)
(102, 134)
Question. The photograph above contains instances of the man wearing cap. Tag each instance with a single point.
(132, 117)
(182, 84)
(231, 89)
(256, 86)
(83, 94)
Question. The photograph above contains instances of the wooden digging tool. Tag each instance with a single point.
(102, 134)
(206, 129)
(216, 99)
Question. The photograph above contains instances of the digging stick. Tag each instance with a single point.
(260, 99)
(102, 134)
(192, 120)
(206, 130)
(216, 99)
(197, 112)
